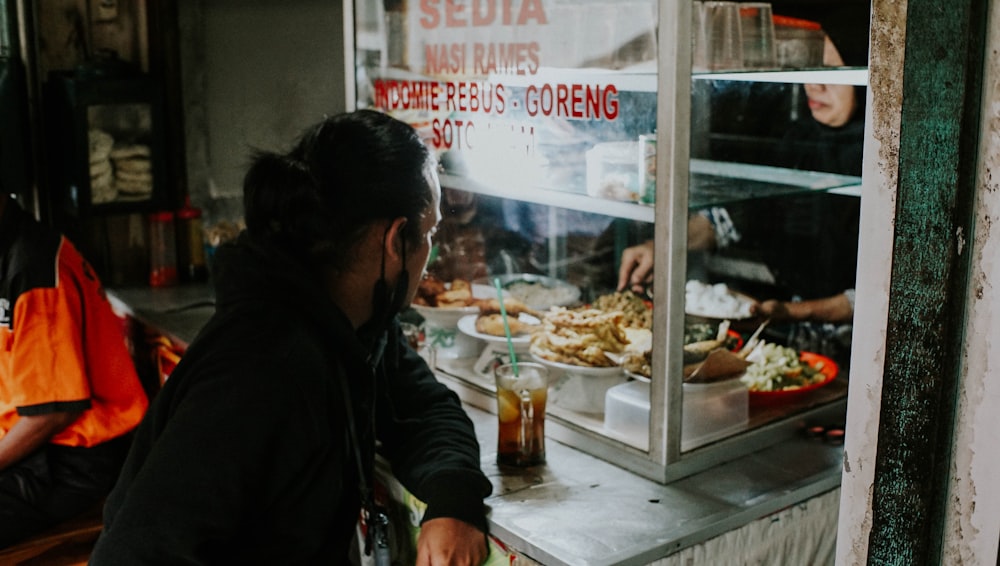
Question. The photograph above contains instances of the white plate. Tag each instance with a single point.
(467, 324)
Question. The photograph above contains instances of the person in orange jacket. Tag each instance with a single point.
(69, 392)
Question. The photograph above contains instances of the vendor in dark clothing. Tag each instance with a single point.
(809, 242)
(824, 228)
(792, 233)
(260, 447)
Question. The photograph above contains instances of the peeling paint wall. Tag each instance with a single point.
(878, 204)
(973, 521)
(972, 514)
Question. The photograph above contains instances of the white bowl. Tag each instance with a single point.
(444, 317)
(556, 292)
(441, 327)
(441, 332)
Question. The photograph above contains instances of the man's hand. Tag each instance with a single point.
(444, 541)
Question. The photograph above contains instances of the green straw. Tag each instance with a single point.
(506, 325)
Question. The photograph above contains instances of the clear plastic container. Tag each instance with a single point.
(798, 43)
(613, 171)
(710, 411)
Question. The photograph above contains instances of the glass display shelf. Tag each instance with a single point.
(857, 76)
(642, 78)
(716, 183)
(713, 183)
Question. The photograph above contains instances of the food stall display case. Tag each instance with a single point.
(567, 127)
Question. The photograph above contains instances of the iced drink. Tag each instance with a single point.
(521, 414)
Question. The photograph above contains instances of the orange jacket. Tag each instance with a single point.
(61, 344)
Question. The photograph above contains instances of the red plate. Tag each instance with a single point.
(829, 370)
(739, 339)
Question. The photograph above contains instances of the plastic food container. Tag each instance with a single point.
(710, 411)
(613, 171)
(798, 42)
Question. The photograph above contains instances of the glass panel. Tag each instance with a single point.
(121, 165)
(540, 112)
(775, 181)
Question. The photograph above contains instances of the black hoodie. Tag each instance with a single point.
(244, 456)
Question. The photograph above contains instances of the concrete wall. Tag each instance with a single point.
(973, 522)
(971, 519)
(255, 74)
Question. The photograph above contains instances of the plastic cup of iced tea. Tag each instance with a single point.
(521, 397)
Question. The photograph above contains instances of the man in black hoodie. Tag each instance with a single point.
(260, 447)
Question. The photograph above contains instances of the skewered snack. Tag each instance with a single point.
(579, 337)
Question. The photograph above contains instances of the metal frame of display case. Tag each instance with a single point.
(664, 460)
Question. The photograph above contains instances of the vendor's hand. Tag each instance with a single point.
(637, 267)
(772, 309)
(835, 308)
(445, 541)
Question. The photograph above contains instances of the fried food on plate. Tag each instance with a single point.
(492, 324)
(514, 307)
(636, 314)
(455, 298)
(432, 292)
(579, 337)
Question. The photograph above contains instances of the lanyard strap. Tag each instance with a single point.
(367, 495)
(377, 522)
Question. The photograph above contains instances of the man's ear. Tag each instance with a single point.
(395, 239)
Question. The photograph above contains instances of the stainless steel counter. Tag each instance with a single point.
(578, 509)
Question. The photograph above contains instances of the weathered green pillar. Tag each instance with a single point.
(940, 109)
